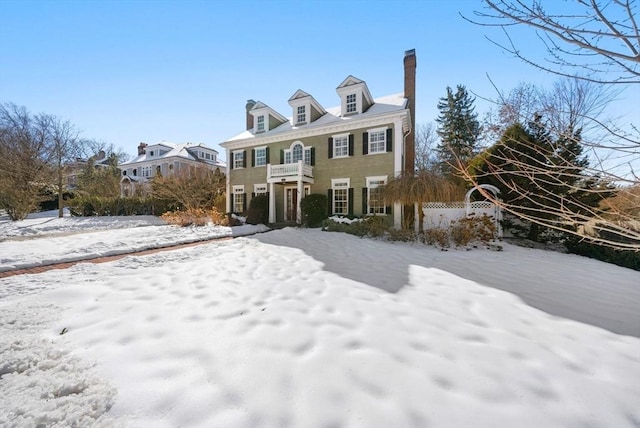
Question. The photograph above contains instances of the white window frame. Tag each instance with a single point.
(260, 121)
(344, 138)
(351, 106)
(374, 183)
(306, 153)
(340, 184)
(376, 131)
(264, 157)
(301, 115)
(238, 159)
(238, 190)
(260, 189)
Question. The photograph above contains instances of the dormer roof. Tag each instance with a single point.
(351, 83)
(255, 110)
(300, 97)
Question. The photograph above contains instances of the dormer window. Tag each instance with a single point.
(354, 95)
(151, 153)
(352, 106)
(302, 116)
(260, 125)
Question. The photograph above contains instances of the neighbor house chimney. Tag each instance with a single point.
(141, 148)
(249, 106)
(410, 94)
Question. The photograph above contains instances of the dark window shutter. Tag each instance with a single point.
(253, 195)
(387, 209)
(313, 156)
(365, 143)
(330, 202)
(281, 156)
(389, 139)
(266, 154)
(330, 147)
(231, 163)
(244, 159)
(253, 158)
(364, 201)
(350, 144)
(350, 201)
(231, 205)
(244, 202)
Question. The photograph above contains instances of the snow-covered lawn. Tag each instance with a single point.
(303, 328)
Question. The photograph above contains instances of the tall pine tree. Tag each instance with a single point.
(458, 128)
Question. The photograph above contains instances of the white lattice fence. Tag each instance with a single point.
(441, 214)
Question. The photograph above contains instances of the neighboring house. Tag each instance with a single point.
(75, 168)
(346, 152)
(166, 159)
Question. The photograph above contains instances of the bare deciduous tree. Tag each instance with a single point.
(592, 41)
(25, 174)
(192, 188)
(601, 39)
(426, 145)
(63, 145)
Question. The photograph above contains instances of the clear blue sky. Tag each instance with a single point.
(130, 71)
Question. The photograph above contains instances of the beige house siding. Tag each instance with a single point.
(356, 167)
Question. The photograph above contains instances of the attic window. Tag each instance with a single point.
(302, 116)
(351, 103)
(151, 153)
(260, 126)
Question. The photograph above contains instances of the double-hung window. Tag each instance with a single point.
(261, 156)
(341, 146)
(302, 115)
(260, 124)
(378, 141)
(238, 199)
(351, 103)
(340, 203)
(375, 202)
(238, 160)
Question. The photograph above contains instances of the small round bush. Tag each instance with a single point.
(314, 209)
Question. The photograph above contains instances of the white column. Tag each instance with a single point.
(416, 218)
(272, 203)
(397, 215)
(300, 193)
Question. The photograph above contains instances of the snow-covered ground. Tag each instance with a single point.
(303, 328)
(72, 238)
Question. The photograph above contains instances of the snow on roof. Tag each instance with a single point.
(382, 105)
(182, 150)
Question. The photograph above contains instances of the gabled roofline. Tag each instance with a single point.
(353, 82)
(301, 97)
(314, 130)
(262, 106)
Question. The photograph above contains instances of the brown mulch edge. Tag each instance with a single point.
(105, 259)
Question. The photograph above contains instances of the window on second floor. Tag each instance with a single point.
(341, 146)
(260, 156)
(377, 141)
(260, 124)
(238, 160)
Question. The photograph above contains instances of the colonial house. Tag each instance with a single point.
(346, 152)
(166, 159)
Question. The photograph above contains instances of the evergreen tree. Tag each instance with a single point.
(541, 180)
(458, 128)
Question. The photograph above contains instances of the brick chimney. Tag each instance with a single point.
(141, 148)
(410, 94)
(249, 106)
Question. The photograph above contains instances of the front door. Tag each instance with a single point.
(291, 202)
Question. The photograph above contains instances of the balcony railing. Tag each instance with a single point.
(289, 172)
